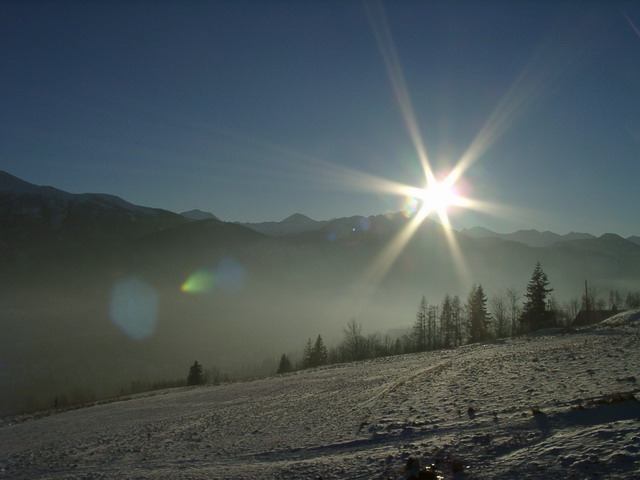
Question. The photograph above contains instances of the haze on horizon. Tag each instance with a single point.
(257, 110)
(507, 115)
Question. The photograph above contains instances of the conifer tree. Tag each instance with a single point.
(320, 353)
(478, 318)
(285, 365)
(456, 321)
(432, 327)
(446, 322)
(307, 355)
(535, 312)
(196, 376)
(420, 327)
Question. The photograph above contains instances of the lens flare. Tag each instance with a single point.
(201, 281)
(410, 206)
(134, 307)
(229, 276)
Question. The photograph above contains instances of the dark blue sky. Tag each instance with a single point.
(249, 109)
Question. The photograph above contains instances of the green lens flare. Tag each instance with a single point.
(201, 281)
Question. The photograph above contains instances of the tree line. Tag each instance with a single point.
(452, 322)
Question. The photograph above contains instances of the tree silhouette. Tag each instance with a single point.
(477, 316)
(196, 376)
(320, 353)
(285, 365)
(535, 313)
(307, 354)
(420, 327)
(447, 327)
(354, 344)
(315, 354)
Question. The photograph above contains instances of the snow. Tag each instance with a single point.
(552, 405)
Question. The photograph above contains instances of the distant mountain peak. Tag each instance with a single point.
(297, 218)
(196, 214)
(293, 224)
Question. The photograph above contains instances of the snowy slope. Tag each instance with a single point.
(549, 405)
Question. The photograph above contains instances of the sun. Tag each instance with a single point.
(437, 196)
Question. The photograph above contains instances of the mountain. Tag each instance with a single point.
(199, 215)
(533, 238)
(81, 273)
(32, 213)
(550, 405)
(635, 239)
(296, 223)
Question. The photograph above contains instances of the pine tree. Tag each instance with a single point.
(535, 313)
(456, 321)
(196, 376)
(432, 327)
(320, 353)
(420, 327)
(478, 318)
(285, 365)
(307, 355)
(446, 322)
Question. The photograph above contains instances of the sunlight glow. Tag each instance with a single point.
(436, 197)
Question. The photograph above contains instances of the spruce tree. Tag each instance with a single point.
(420, 327)
(478, 317)
(196, 376)
(446, 322)
(285, 365)
(307, 355)
(535, 312)
(320, 353)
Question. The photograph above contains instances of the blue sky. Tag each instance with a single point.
(251, 110)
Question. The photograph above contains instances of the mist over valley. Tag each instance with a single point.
(98, 293)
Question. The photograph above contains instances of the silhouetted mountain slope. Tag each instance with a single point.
(199, 215)
(635, 239)
(43, 223)
(47, 209)
(296, 223)
(533, 238)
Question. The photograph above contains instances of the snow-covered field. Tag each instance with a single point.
(549, 405)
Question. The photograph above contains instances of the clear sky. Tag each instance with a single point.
(253, 110)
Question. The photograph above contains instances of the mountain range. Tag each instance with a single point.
(138, 292)
(56, 210)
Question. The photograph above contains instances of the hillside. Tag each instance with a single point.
(76, 266)
(548, 405)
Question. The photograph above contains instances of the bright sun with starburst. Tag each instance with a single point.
(437, 196)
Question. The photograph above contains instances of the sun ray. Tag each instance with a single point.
(382, 32)
(545, 68)
(383, 262)
(631, 23)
